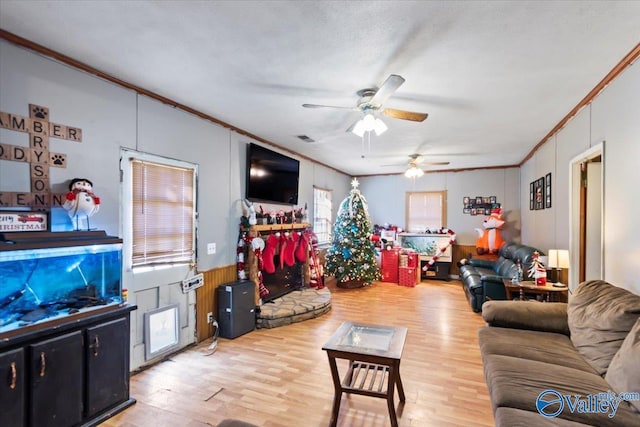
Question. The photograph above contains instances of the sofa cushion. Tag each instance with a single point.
(623, 374)
(527, 315)
(516, 383)
(506, 268)
(600, 316)
(546, 347)
(511, 417)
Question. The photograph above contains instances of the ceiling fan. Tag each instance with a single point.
(415, 166)
(371, 101)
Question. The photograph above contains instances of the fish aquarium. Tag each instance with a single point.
(47, 277)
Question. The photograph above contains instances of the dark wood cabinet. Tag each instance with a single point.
(74, 373)
(12, 388)
(55, 381)
(107, 362)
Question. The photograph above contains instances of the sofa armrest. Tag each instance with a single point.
(532, 315)
(484, 263)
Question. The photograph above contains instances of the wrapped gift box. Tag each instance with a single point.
(407, 276)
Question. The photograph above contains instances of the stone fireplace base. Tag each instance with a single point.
(295, 306)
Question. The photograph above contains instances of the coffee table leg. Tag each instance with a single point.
(399, 383)
(337, 393)
(393, 381)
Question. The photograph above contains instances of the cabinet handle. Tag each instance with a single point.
(96, 345)
(14, 376)
(43, 363)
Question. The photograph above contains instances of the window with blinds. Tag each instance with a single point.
(425, 210)
(322, 207)
(163, 214)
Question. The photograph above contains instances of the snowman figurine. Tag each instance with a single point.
(80, 200)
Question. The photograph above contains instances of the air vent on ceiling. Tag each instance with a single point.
(305, 138)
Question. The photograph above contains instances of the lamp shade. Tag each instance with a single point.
(558, 258)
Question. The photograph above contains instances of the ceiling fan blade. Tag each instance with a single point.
(405, 115)
(389, 86)
(433, 163)
(328, 106)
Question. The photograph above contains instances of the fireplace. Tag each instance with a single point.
(284, 280)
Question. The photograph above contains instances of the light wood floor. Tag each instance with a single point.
(280, 377)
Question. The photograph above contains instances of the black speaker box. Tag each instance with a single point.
(236, 308)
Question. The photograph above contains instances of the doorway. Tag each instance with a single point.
(587, 211)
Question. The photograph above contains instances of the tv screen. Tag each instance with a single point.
(271, 177)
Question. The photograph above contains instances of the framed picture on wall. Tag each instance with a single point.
(492, 199)
(466, 210)
(531, 196)
(547, 191)
(539, 193)
(466, 200)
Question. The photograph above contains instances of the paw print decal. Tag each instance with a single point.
(39, 112)
(57, 159)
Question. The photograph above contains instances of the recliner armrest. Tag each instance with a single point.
(532, 315)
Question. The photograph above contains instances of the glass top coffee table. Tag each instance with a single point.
(374, 353)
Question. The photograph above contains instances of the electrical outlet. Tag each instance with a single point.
(211, 248)
(210, 318)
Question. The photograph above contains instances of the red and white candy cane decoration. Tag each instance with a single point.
(262, 289)
(433, 259)
(315, 268)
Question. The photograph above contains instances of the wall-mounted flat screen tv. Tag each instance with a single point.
(271, 177)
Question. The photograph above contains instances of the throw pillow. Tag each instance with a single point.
(600, 316)
(623, 374)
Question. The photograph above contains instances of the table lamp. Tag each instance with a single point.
(558, 260)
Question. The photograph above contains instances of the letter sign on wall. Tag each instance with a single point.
(40, 159)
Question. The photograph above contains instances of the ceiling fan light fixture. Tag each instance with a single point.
(359, 129)
(369, 123)
(379, 127)
(413, 172)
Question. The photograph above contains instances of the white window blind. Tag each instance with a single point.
(322, 207)
(425, 210)
(163, 214)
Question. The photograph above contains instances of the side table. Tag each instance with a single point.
(374, 354)
(550, 293)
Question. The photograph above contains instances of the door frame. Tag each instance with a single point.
(575, 211)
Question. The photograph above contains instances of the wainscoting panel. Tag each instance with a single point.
(460, 252)
(207, 300)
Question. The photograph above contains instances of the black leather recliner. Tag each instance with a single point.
(482, 279)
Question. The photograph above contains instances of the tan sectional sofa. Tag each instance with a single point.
(562, 364)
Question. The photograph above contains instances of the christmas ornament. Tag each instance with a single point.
(81, 201)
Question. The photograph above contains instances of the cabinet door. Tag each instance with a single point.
(12, 391)
(56, 380)
(107, 357)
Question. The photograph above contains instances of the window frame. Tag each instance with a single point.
(127, 158)
(321, 222)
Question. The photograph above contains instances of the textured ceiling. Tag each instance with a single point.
(495, 77)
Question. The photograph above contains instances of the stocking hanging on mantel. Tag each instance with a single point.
(351, 257)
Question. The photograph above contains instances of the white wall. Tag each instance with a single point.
(112, 117)
(613, 117)
(386, 197)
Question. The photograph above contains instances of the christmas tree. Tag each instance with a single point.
(351, 258)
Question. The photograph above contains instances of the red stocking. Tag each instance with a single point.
(283, 248)
(268, 254)
(289, 250)
(302, 248)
